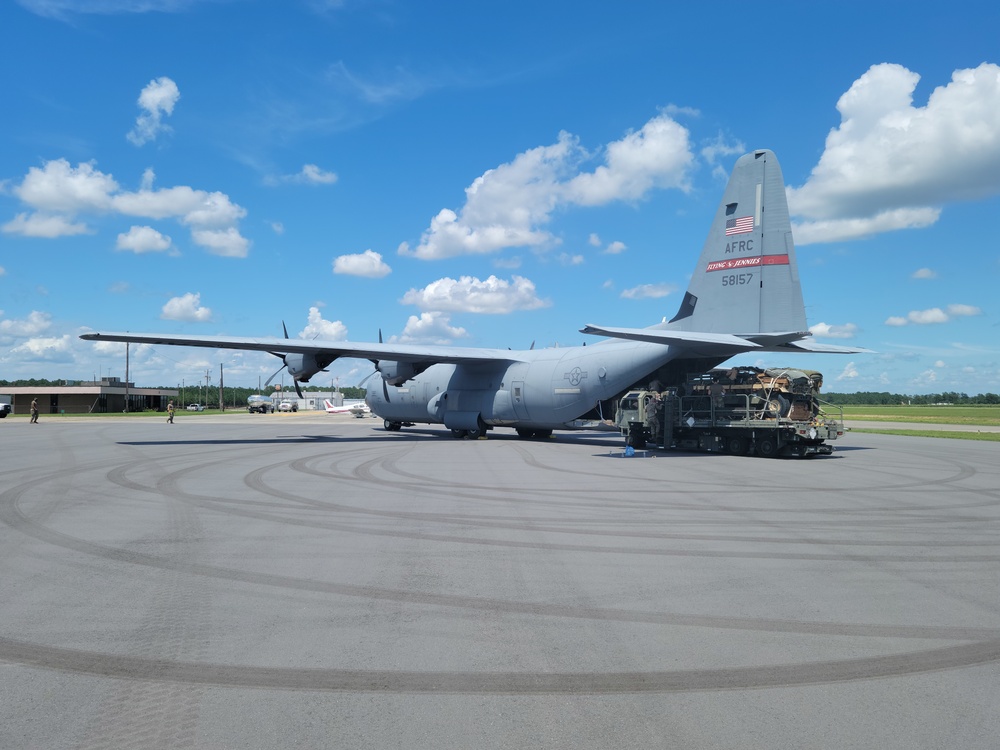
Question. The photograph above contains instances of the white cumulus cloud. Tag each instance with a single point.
(368, 264)
(825, 330)
(58, 192)
(36, 323)
(568, 259)
(648, 291)
(156, 100)
(143, 240)
(58, 187)
(186, 308)
(890, 164)
(616, 248)
(429, 328)
(227, 242)
(310, 174)
(470, 294)
(849, 372)
(934, 315)
(314, 175)
(956, 311)
(658, 155)
(52, 349)
(510, 205)
(45, 226)
(923, 317)
(318, 328)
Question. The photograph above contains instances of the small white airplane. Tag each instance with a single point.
(359, 409)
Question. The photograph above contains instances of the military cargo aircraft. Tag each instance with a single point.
(744, 296)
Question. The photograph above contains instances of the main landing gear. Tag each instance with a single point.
(474, 434)
(528, 434)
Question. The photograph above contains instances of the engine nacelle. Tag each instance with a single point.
(302, 366)
(396, 373)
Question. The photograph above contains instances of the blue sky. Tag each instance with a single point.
(487, 175)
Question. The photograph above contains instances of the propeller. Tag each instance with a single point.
(385, 387)
(284, 364)
(296, 364)
(298, 389)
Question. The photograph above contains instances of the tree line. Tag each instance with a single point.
(869, 398)
(238, 396)
(231, 396)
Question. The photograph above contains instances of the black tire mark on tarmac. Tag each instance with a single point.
(518, 683)
(177, 670)
(257, 481)
(168, 486)
(176, 625)
(12, 515)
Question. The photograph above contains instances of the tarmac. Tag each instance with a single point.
(307, 580)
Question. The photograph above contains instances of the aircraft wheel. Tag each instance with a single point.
(479, 430)
(543, 433)
(392, 426)
(737, 445)
(459, 434)
(767, 447)
(524, 433)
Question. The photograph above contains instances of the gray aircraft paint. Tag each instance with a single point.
(744, 295)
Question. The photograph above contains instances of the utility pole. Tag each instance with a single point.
(222, 404)
(126, 377)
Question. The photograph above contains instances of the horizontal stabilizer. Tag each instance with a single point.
(777, 339)
(815, 346)
(677, 338)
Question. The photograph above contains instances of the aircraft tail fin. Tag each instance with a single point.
(747, 278)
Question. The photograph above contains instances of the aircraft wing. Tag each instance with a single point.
(678, 338)
(332, 349)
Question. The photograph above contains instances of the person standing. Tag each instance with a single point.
(170, 412)
(34, 411)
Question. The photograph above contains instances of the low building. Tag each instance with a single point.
(312, 401)
(105, 397)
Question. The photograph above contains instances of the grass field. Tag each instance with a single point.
(964, 415)
(988, 437)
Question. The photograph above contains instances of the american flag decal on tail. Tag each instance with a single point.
(739, 226)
